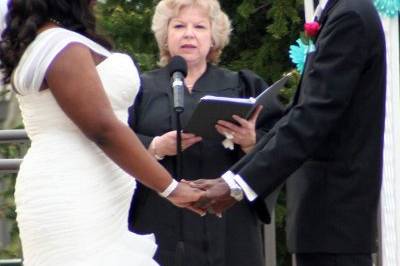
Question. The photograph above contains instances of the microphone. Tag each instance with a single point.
(177, 69)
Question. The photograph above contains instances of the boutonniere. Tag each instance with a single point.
(304, 45)
(311, 29)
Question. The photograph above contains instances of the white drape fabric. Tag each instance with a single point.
(3, 11)
(390, 195)
(308, 10)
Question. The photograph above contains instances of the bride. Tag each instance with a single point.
(75, 184)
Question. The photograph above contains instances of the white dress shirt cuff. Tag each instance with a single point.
(248, 191)
(228, 178)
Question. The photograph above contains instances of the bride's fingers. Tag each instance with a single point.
(199, 211)
(204, 203)
(201, 184)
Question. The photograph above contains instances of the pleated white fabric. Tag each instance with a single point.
(72, 200)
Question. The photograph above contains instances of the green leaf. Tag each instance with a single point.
(245, 9)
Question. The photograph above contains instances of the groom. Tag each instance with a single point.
(329, 143)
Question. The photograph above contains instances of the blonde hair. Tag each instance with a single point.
(168, 9)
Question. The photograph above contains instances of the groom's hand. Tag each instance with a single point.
(217, 195)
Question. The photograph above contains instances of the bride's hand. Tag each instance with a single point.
(184, 196)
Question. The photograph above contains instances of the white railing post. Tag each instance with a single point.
(270, 242)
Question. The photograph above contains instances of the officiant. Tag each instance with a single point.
(198, 31)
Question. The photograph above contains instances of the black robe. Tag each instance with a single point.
(234, 239)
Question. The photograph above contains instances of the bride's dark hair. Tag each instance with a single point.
(25, 17)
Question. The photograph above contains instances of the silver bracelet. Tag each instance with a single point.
(169, 189)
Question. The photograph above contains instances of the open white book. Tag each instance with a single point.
(213, 108)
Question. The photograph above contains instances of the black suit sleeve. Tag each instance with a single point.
(329, 81)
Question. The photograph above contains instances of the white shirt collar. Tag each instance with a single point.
(323, 3)
(320, 8)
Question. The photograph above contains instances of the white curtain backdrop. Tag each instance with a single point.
(390, 196)
(308, 10)
(3, 11)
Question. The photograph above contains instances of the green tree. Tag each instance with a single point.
(128, 24)
(262, 33)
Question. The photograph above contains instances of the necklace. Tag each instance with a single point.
(55, 21)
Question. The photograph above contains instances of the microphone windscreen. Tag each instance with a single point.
(177, 64)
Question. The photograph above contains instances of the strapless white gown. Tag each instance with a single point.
(72, 200)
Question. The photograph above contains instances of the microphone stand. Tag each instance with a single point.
(179, 156)
(178, 71)
(180, 247)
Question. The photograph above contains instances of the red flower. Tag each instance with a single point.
(311, 29)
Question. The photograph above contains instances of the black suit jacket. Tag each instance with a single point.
(330, 141)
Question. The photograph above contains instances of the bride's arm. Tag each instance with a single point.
(73, 80)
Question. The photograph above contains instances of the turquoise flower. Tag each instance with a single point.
(389, 8)
(298, 54)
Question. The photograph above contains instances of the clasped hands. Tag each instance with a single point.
(209, 195)
(203, 195)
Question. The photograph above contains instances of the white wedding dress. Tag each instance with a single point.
(72, 200)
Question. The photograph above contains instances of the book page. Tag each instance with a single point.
(228, 99)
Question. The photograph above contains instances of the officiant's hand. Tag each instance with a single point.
(217, 195)
(185, 196)
(243, 134)
(165, 145)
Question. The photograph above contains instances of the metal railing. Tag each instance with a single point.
(11, 262)
(12, 136)
(9, 165)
